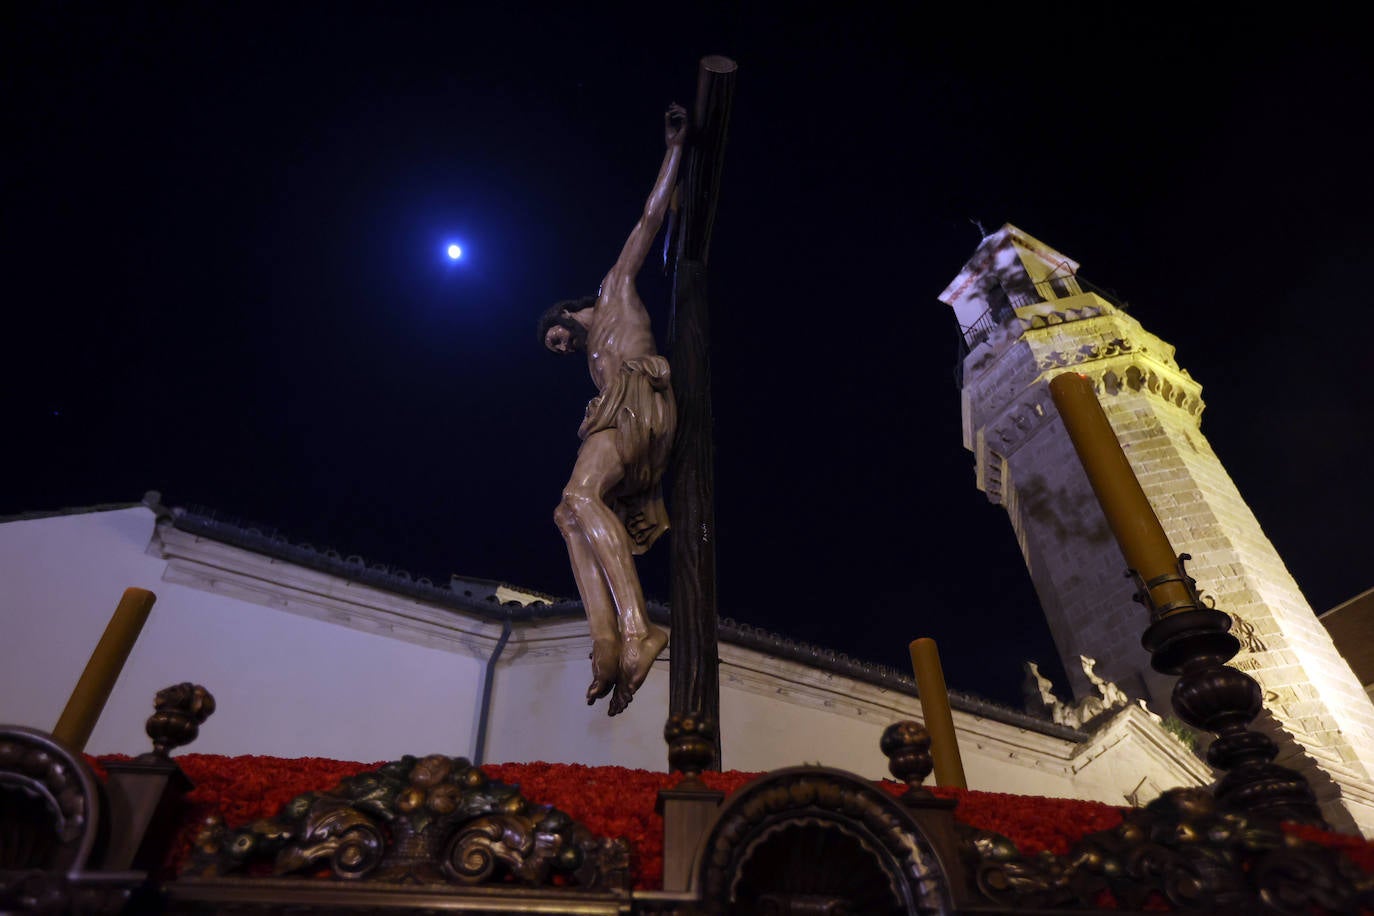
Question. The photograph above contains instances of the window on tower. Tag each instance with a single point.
(999, 304)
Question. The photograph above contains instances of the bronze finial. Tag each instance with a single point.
(691, 743)
(906, 744)
(181, 709)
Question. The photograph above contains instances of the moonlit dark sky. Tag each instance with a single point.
(224, 258)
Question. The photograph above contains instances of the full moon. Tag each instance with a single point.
(454, 252)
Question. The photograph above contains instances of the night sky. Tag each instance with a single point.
(224, 232)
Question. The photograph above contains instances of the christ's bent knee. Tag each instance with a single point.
(564, 517)
(569, 512)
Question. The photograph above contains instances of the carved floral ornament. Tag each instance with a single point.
(432, 820)
(1181, 848)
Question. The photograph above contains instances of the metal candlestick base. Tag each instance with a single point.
(1194, 642)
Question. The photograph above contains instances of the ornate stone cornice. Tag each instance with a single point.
(1132, 361)
(1118, 365)
(220, 568)
(881, 676)
(458, 594)
(1114, 367)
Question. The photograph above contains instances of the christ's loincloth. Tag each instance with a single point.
(638, 404)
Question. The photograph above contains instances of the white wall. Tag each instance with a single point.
(540, 711)
(303, 663)
(779, 713)
(285, 685)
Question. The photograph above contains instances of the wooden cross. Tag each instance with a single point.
(694, 680)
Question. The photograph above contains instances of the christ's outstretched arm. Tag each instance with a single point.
(642, 236)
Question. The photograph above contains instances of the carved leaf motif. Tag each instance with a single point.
(1181, 848)
(421, 820)
(475, 851)
(335, 830)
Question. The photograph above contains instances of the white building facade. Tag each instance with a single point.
(314, 654)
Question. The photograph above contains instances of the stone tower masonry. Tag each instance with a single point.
(1026, 318)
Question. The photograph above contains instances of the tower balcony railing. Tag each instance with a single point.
(996, 315)
(976, 333)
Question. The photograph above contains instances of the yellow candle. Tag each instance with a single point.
(88, 699)
(939, 721)
(1133, 522)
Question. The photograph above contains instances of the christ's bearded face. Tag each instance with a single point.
(566, 335)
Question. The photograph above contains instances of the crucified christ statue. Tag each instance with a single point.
(612, 507)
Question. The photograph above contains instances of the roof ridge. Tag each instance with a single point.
(34, 514)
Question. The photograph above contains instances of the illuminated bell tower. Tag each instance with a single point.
(1025, 318)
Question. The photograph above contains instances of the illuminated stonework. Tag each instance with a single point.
(1026, 318)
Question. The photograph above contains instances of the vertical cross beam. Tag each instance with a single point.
(694, 681)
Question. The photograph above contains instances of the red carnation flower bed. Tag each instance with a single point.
(619, 802)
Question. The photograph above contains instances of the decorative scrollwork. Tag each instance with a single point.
(1245, 632)
(1182, 849)
(334, 830)
(49, 801)
(52, 832)
(476, 850)
(835, 808)
(430, 820)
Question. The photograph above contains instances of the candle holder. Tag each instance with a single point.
(145, 793)
(1193, 640)
(688, 808)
